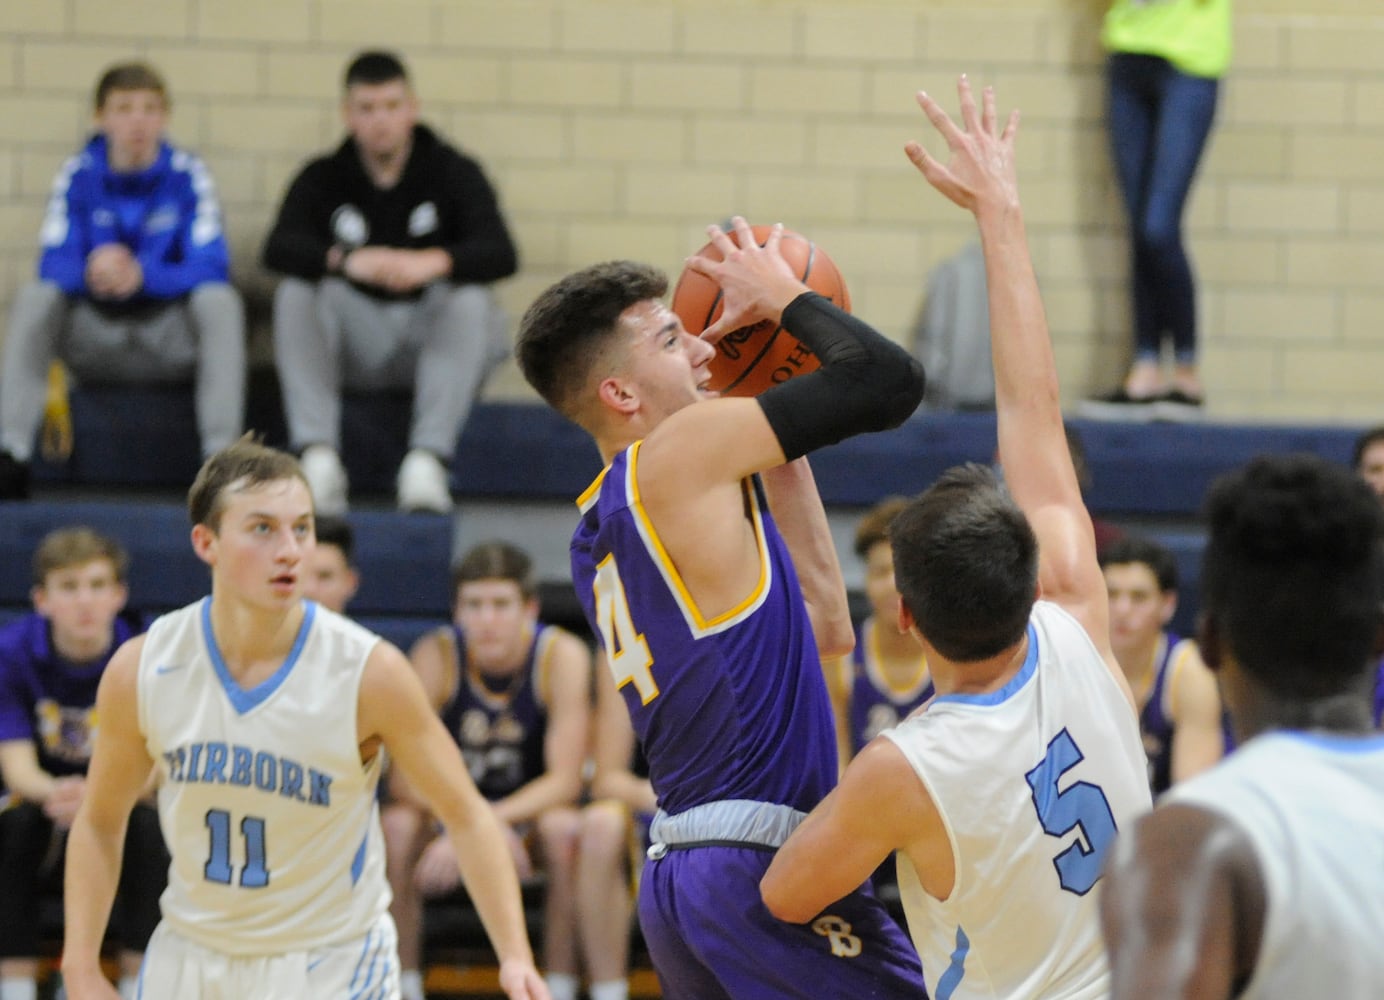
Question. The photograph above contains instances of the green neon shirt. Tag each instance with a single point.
(1193, 35)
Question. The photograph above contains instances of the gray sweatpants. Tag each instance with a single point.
(199, 338)
(442, 346)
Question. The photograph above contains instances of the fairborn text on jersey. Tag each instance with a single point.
(218, 763)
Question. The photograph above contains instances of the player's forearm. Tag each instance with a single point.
(89, 884)
(626, 787)
(544, 792)
(488, 871)
(802, 521)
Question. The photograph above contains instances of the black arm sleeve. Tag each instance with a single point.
(866, 382)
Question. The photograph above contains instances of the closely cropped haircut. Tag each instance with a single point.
(336, 531)
(243, 465)
(1141, 549)
(564, 333)
(874, 526)
(66, 548)
(1363, 443)
(966, 564)
(374, 67)
(1293, 575)
(495, 561)
(128, 76)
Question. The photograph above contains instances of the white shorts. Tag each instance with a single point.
(365, 968)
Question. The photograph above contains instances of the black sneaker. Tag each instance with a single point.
(14, 478)
(1119, 405)
(1178, 406)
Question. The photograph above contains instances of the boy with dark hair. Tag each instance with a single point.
(514, 693)
(1001, 797)
(704, 562)
(388, 247)
(332, 578)
(1261, 877)
(133, 279)
(1179, 705)
(50, 665)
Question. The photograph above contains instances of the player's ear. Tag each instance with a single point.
(1209, 641)
(615, 393)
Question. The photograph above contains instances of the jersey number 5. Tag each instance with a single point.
(1082, 807)
(626, 651)
(254, 875)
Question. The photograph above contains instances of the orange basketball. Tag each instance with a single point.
(753, 358)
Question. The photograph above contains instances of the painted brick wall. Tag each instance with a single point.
(620, 129)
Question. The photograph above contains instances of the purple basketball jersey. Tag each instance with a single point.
(875, 704)
(733, 707)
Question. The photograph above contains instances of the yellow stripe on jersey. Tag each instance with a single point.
(670, 572)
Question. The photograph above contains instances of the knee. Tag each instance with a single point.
(558, 836)
(401, 825)
(604, 831)
(1158, 237)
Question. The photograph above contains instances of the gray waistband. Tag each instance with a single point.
(737, 820)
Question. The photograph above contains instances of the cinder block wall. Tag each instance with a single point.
(621, 129)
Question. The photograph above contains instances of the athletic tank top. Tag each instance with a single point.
(1312, 807)
(728, 707)
(875, 704)
(264, 802)
(1032, 782)
(500, 725)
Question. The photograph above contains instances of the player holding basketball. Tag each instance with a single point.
(704, 563)
(264, 717)
(1003, 794)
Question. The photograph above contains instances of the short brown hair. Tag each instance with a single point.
(874, 526)
(129, 76)
(243, 464)
(495, 561)
(77, 546)
(564, 333)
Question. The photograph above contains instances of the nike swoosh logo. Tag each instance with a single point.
(167, 669)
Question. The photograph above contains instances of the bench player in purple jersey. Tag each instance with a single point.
(704, 562)
(1184, 728)
(51, 662)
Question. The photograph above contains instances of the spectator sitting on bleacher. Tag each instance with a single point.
(516, 696)
(51, 662)
(332, 578)
(133, 278)
(608, 836)
(1181, 720)
(388, 246)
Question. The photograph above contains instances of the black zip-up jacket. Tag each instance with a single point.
(442, 200)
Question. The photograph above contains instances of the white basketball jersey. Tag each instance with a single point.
(1032, 782)
(265, 805)
(1312, 807)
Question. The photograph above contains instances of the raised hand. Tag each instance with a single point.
(981, 171)
(756, 282)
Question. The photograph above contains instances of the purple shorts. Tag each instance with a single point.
(710, 936)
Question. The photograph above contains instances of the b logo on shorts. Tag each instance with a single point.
(844, 944)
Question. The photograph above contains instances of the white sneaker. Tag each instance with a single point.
(422, 483)
(326, 478)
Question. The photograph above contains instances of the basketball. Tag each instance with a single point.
(754, 358)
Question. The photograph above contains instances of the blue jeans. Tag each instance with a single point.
(1159, 120)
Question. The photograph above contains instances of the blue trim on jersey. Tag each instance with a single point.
(371, 949)
(242, 700)
(951, 979)
(358, 862)
(1015, 684)
(1338, 742)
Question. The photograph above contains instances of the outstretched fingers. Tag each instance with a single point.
(939, 118)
